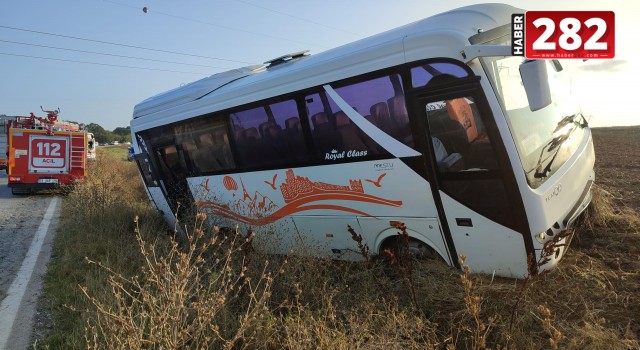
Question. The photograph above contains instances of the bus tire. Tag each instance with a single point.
(416, 249)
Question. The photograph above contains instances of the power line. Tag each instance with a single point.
(100, 64)
(109, 54)
(124, 45)
(296, 17)
(217, 25)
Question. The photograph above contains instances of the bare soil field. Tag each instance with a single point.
(618, 163)
(614, 247)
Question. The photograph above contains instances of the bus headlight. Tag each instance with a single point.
(541, 237)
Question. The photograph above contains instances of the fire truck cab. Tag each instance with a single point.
(44, 153)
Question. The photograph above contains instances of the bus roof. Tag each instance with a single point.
(441, 35)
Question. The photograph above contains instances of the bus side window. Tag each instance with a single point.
(213, 152)
(222, 150)
(380, 113)
(170, 163)
(424, 74)
(202, 146)
(398, 111)
(274, 142)
(269, 136)
(284, 134)
(295, 139)
(248, 139)
(353, 139)
(325, 135)
(383, 99)
(250, 149)
(380, 101)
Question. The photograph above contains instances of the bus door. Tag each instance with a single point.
(475, 205)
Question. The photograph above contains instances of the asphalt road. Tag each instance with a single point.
(27, 228)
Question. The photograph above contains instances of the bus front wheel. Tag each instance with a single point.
(413, 248)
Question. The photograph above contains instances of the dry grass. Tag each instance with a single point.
(608, 212)
(96, 222)
(197, 295)
(116, 283)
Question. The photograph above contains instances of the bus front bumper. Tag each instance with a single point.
(561, 233)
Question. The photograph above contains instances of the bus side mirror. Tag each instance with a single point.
(536, 83)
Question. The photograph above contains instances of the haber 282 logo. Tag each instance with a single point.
(563, 34)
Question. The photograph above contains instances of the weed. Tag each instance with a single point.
(480, 328)
(402, 262)
(362, 247)
(554, 334)
(184, 298)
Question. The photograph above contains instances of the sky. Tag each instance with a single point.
(128, 55)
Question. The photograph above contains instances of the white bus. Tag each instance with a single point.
(432, 124)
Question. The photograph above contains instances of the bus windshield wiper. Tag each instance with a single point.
(583, 123)
(544, 172)
(554, 144)
(564, 121)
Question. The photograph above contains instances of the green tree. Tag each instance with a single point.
(101, 135)
(124, 133)
(94, 128)
(120, 134)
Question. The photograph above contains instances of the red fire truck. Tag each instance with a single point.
(44, 153)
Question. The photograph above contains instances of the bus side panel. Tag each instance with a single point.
(370, 188)
(323, 201)
(328, 236)
(280, 237)
(488, 247)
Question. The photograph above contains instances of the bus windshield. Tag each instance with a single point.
(546, 138)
